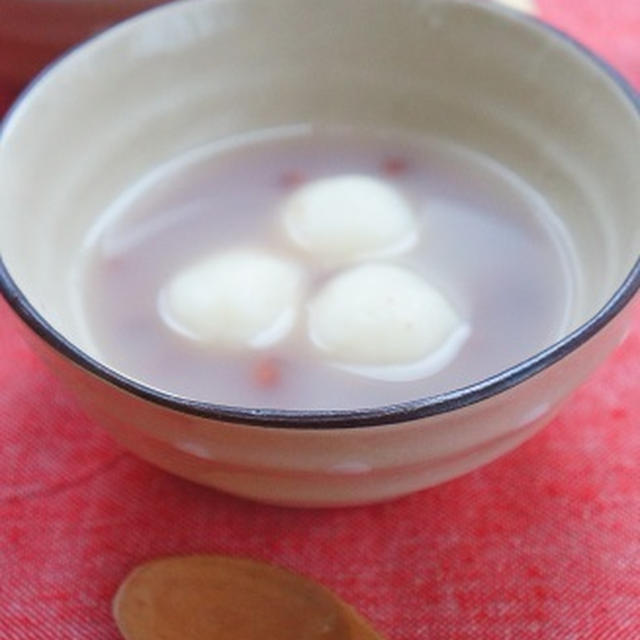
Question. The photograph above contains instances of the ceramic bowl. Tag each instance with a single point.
(188, 73)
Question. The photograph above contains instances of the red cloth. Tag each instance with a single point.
(544, 543)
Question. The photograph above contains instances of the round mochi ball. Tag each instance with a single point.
(349, 217)
(237, 298)
(380, 314)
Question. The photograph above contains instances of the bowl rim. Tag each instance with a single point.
(302, 419)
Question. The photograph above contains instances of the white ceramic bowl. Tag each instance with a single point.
(188, 73)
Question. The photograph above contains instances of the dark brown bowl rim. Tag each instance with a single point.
(341, 418)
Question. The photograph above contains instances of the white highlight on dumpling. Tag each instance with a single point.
(349, 217)
(385, 322)
(237, 298)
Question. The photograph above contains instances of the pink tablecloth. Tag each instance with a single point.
(544, 543)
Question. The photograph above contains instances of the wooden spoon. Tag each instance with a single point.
(205, 597)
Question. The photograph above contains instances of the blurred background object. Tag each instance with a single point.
(34, 32)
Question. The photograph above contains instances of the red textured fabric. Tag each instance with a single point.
(544, 543)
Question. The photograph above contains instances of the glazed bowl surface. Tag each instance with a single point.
(190, 73)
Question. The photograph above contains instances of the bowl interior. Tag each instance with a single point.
(193, 72)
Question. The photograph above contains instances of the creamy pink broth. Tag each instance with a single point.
(488, 241)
